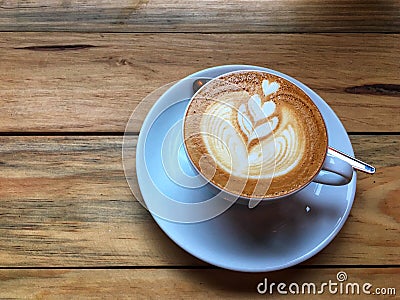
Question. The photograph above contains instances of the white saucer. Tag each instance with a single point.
(272, 236)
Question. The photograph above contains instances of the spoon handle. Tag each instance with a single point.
(198, 83)
(354, 162)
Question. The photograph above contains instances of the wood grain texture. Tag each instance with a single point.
(65, 202)
(200, 16)
(195, 284)
(93, 82)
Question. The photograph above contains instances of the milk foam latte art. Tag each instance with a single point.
(255, 135)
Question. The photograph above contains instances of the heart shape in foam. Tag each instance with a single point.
(255, 118)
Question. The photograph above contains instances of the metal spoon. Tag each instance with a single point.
(354, 162)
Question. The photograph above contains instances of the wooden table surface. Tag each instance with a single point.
(72, 72)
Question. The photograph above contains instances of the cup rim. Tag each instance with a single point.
(241, 196)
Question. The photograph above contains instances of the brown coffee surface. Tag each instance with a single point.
(255, 134)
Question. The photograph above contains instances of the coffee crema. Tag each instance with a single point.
(255, 134)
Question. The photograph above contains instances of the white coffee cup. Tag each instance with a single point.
(332, 170)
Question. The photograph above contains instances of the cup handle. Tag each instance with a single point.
(334, 171)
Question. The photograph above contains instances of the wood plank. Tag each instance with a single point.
(200, 16)
(93, 82)
(65, 202)
(198, 284)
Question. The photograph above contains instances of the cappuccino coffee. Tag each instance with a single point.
(255, 135)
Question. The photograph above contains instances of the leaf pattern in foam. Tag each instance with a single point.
(269, 108)
(251, 115)
(264, 129)
(254, 105)
(244, 122)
